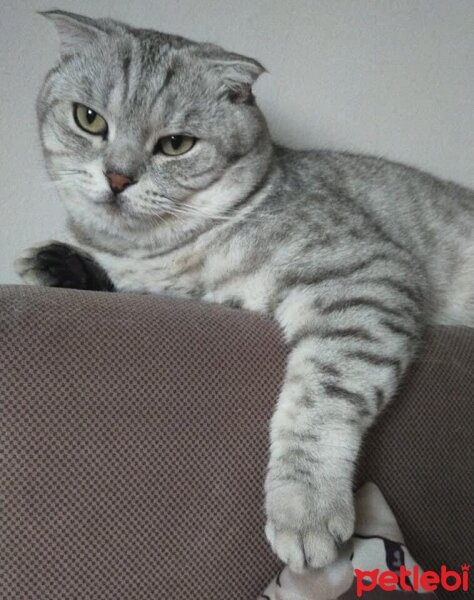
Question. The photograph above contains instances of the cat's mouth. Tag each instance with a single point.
(106, 198)
(119, 206)
(114, 208)
(113, 204)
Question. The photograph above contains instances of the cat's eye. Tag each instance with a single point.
(174, 145)
(89, 120)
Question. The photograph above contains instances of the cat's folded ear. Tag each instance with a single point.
(77, 32)
(235, 74)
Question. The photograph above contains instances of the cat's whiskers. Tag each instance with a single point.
(157, 215)
(223, 217)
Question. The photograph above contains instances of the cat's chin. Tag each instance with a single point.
(110, 204)
(101, 210)
(109, 199)
(121, 215)
(116, 215)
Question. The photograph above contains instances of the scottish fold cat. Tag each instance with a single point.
(172, 185)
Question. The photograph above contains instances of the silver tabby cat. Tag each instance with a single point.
(173, 186)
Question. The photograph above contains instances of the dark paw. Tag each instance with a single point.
(55, 264)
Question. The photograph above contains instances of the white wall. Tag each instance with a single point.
(390, 77)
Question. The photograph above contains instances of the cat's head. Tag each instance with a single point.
(147, 132)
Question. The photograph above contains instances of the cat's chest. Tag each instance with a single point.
(155, 273)
(222, 275)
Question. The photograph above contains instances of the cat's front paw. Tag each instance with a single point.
(55, 264)
(306, 523)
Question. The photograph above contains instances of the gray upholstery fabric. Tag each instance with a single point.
(421, 454)
(134, 433)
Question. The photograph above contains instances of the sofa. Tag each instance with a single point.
(134, 438)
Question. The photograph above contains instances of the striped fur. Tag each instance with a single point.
(351, 255)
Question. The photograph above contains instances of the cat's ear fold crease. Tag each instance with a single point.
(236, 73)
(76, 32)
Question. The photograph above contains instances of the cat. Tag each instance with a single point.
(173, 185)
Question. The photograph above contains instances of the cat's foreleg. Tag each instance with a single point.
(56, 264)
(346, 360)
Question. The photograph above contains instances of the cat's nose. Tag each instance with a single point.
(118, 182)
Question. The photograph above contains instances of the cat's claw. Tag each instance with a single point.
(55, 264)
(31, 269)
(304, 525)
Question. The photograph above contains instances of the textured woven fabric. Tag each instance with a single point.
(134, 440)
(421, 454)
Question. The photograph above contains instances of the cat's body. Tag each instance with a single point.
(351, 255)
(316, 213)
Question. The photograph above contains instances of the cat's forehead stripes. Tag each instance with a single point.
(143, 71)
(126, 60)
(166, 81)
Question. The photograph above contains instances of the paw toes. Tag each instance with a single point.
(341, 525)
(304, 528)
(319, 549)
(27, 268)
(51, 264)
(289, 548)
